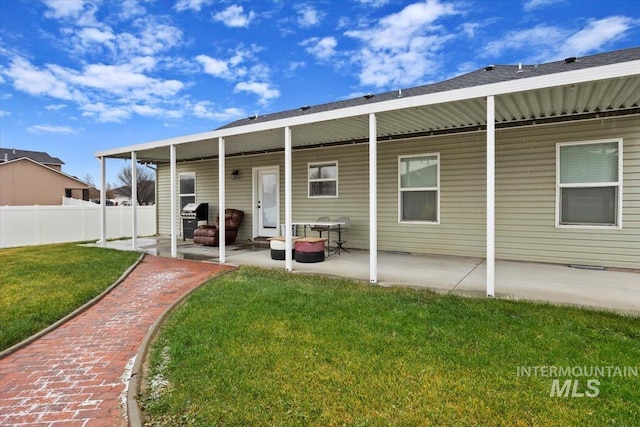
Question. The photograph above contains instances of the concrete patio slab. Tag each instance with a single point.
(560, 284)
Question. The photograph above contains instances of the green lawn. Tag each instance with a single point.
(41, 284)
(258, 347)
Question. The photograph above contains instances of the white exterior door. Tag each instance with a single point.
(267, 204)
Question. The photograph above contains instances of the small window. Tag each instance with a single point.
(419, 188)
(323, 179)
(589, 184)
(187, 188)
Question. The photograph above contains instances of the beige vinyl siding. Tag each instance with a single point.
(525, 194)
(526, 189)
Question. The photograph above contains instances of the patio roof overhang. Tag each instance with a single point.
(572, 95)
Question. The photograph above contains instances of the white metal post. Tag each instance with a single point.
(287, 200)
(172, 172)
(103, 202)
(134, 200)
(373, 199)
(221, 202)
(491, 194)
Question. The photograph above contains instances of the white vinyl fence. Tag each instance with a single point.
(35, 225)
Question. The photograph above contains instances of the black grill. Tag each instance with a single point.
(191, 214)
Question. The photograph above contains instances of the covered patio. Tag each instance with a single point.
(487, 102)
(558, 284)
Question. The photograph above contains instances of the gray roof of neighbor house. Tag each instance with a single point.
(483, 76)
(8, 154)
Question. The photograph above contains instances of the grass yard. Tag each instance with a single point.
(259, 347)
(41, 284)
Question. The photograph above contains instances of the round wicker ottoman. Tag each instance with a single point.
(309, 251)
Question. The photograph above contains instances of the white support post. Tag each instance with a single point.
(491, 195)
(221, 202)
(287, 200)
(373, 199)
(172, 172)
(103, 202)
(134, 200)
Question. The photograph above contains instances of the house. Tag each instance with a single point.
(35, 178)
(520, 162)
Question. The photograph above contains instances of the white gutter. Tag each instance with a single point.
(623, 69)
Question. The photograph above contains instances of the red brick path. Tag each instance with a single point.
(77, 374)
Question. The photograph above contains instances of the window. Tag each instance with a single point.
(589, 184)
(187, 188)
(323, 179)
(419, 188)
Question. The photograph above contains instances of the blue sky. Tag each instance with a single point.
(78, 76)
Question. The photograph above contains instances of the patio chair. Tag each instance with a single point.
(343, 228)
(321, 228)
(208, 234)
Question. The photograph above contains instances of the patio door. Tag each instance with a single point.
(267, 202)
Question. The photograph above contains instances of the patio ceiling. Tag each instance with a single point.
(563, 102)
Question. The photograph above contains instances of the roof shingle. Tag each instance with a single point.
(9, 154)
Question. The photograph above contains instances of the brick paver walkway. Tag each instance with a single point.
(77, 374)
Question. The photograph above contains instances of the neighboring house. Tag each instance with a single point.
(35, 178)
(523, 162)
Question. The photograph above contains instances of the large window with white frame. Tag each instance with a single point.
(323, 179)
(589, 184)
(419, 188)
(187, 188)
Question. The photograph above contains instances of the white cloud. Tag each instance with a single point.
(320, 48)
(231, 68)
(194, 5)
(89, 38)
(469, 28)
(545, 43)
(539, 36)
(35, 81)
(215, 67)
(206, 110)
(105, 113)
(308, 16)
(374, 3)
(131, 8)
(64, 8)
(80, 12)
(530, 5)
(234, 16)
(41, 129)
(596, 34)
(55, 107)
(401, 49)
(262, 89)
(4, 113)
